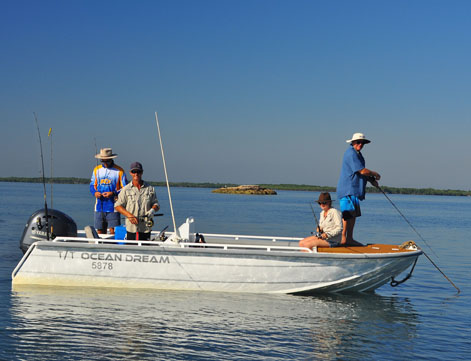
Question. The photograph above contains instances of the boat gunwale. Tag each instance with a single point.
(219, 248)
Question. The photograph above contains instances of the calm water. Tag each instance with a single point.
(421, 319)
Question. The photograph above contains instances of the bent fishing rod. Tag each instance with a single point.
(422, 238)
(44, 180)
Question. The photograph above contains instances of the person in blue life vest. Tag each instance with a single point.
(352, 185)
(106, 182)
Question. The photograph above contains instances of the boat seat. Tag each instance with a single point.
(91, 232)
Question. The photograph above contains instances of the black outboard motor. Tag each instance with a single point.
(60, 224)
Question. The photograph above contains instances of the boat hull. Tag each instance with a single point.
(209, 268)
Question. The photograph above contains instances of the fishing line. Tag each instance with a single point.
(44, 180)
(425, 254)
(409, 223)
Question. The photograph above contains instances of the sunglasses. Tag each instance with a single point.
(136, 171)
(323, 203)
(106, 160)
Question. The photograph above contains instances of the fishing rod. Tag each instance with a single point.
(44, 180)
(166, 179)
(317, 221)
(101, 200)
(51, 180)
(410, 224)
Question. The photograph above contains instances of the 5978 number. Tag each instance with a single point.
(102, 265)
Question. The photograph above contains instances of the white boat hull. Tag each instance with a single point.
(233, 268)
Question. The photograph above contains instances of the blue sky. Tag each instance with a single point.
(246, 91)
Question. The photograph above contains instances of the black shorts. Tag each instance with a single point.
(350, 207)
(142, 236)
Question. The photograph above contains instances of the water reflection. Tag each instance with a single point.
(61, 323)
(361, 326)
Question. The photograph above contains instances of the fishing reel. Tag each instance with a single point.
(162, 237)
(317, 232)
(149, 221)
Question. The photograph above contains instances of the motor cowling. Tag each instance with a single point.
(58, 224)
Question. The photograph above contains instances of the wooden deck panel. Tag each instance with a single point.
(370, 248)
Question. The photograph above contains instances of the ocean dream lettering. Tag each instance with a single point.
(112, 257)
(102, 256)
(146, 258)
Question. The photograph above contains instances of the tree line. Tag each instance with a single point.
(288, 187)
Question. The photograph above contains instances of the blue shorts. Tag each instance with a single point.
(350, 207)
(105, 220)
(334, 242)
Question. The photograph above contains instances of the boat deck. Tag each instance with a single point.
(370, 248)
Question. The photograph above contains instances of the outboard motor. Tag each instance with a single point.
(60, 224)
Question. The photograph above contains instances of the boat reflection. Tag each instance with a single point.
(51, 322)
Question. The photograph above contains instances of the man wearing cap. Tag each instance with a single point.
(352, 185)
(107, 180)
(138, 203)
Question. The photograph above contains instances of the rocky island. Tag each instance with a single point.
(245, 189)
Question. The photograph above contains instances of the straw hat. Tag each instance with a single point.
(359, 136)
(106, 153)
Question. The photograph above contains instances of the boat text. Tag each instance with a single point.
(112, 257)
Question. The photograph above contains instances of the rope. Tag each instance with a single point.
(395, 283)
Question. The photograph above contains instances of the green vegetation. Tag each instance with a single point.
(287, 187)
(63, 180)
(245, 189)
(420, 191)
(298, 187)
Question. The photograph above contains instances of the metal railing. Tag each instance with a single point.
(224, 246)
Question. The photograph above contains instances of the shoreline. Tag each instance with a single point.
(284, 187)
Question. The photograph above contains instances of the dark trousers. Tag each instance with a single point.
(142, 236)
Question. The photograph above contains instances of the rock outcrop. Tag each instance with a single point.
(245, 189)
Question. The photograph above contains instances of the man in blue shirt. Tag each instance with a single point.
(106, 182)
(352, 184)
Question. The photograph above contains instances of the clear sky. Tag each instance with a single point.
(259, 91)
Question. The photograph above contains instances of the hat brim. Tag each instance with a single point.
(98, 156)
(364, 140)
(324, 200)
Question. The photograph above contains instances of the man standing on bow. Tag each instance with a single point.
(107, 181)
(352, 185)
(138, 203)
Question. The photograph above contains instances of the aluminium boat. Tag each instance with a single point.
(181, 261)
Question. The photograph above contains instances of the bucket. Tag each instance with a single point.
(119, 232)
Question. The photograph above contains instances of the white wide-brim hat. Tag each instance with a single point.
(106, 153)
(359, 136)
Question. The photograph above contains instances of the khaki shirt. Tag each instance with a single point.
(138, 202)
